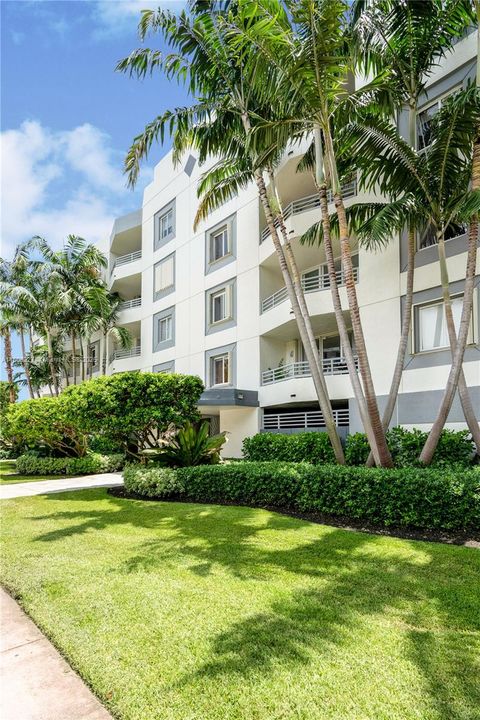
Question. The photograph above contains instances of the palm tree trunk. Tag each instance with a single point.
(402, 346)
(24, 361)
(104, 354)
(297, 284)
(456, 368)
(317, 376)
(51, 362)
(74, 358)
(371, 400)
(82, 358)
(9, 364)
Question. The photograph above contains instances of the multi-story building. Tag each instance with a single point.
(212, 301)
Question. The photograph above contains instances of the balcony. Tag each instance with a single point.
(304, 420)
(331, 366)
(125, 259)
(309, 203)
(127, 304)
(122, 354)
(309, 284)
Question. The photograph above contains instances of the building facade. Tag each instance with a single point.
(212, 301)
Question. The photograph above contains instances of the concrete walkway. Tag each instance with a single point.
(61, 485)
(37, 683)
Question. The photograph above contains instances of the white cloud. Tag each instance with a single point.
(60, 182)
(118, 16)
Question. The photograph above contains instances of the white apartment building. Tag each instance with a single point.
(212, 302)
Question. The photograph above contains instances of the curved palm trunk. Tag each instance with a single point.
(317, 376)
(456, 368)
(9, 364)
(51, 363)
(26, 370)
(74, 358)
(298, 288)
(82, 358)
(402, 346)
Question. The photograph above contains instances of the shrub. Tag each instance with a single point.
(455, 447)
(92, 463)
(44, 423)
(414, 497)
(152, 481)
(132, 408)
(190, 445)
(313, 447)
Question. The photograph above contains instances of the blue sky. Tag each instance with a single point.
(67, 119)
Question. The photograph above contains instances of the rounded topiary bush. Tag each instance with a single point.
(152, 481)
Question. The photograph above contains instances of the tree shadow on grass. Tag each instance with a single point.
(349, 581)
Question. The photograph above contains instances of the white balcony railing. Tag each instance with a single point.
(303, 420)
(309, 284)
(331, 366)
(121, 354)
(127, 304)
(309, 202)
(128, 258)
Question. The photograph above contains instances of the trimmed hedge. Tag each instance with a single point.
(410, 497)
(151, 481)
(92, 463)
(313, 447)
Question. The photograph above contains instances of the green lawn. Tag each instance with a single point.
(8, 476)
(196, 612)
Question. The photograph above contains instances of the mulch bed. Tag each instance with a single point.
(469, 539)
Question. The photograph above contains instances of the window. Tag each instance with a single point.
(219, 305)
(168, 367)
(164, 225)
(164, 329)
(428, 237)
(424, 120)
(164, 277)
(220, 369)
(431, 327)
(219, 244)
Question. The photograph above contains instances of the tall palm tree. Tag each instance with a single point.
(108, 324)
(227, 106)
(403, 41)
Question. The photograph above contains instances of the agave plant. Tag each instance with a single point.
(189, 445)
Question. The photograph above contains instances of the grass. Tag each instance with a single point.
(200, 612)
(8, 476)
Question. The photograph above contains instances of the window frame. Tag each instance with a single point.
(224, 356)
(157, 294)
(210, 357)
(157, 344)
(229, 226)
(228, 289)
(431, 103)
(416, 326)
(158, 240)
(226, 235)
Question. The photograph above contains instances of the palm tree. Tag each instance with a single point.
(108, 324)
(219, 122)
(430, 190)
(403, 42)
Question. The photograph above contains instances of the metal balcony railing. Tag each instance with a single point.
(309, 202)
(331, 366)
(128, 258)
(309, 284)
(127, 304)
(303, 420)
(121, 354)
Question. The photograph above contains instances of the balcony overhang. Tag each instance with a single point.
(229, 396)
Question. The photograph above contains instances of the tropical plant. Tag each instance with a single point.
(221, 122)
(189, 445)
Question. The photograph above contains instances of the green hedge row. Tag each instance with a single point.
(455, 447)
(92, 463)
(409, 497)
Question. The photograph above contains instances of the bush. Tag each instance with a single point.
(152, 481)
(313, 447)
(411, 497)
(92, 463)
(189, 445)
(132, 408)
(43, 423)
(455, 447)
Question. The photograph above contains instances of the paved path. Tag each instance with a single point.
(37, 683)
(41, 487)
